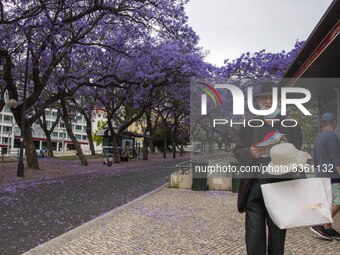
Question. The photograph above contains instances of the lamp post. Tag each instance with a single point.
(21, 168)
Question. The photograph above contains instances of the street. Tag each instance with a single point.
(33, 212)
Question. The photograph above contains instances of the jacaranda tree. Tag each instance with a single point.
(66, 42)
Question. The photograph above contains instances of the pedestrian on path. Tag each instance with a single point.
(42, 152)
(326, 156)
(127, 151)
(250, 199)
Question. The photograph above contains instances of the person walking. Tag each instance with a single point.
(42, 152)
(250, 199)
(127, 151)
(326, 156)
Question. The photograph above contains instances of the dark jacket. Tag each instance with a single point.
(248, 136)
(326, 155)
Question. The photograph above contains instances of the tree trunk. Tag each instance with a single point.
(68, 127)
(165, 146)
(88, 119)
(2, 102)
(226, 147)
(49, 145)
(48, 138)
(149, 142)
(145, 148)
(115, 141)
(181, 150)
(79, 151)
(151, 145)
(31, 153)
(173, 134)
(116, 154)
(89, 137)
(173, 147)
(48, 132)
(210, 147)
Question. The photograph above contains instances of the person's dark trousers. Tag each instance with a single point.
(256, 219)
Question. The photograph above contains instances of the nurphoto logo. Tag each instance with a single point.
(239, 101)
(281, 99)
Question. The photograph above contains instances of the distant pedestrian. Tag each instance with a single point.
(127, 151)
(326, 156)
(42, 152)
(109, 161)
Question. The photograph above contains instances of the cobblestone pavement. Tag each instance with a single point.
(172, 221)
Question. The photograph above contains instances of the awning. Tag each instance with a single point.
(106, 132)
(320, 55)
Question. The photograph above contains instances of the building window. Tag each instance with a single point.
(6, 130)
(62, 124)
(78, 137)
(62, 134)
(48, 114)
(78, 127)
(5, 140)
(54, 134)
(6, 109)
(54, 114)
(8, 118)
(84, 137)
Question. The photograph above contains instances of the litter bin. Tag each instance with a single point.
(236, 178)
(199, 175)
(235, 184)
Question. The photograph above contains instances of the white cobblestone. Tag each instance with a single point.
(172, 221)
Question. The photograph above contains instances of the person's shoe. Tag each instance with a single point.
(333, 233)
(321, 232)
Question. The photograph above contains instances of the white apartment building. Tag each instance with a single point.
(10, 132)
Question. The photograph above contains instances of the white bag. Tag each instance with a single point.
(297, 203)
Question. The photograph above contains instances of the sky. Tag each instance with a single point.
(228, 28)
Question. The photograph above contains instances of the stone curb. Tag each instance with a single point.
(100, 220)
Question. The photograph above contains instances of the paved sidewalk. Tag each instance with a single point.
(173, 221)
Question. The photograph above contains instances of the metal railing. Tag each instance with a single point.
(184, 167)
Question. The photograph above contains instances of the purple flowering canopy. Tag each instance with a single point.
(124, 56)
(92, 48)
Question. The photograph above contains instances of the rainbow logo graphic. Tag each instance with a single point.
(211, 91)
